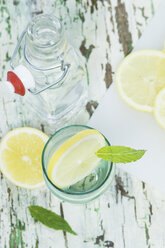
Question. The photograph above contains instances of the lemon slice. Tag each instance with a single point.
(75, 159)
(159, 108)
(140, 77)
(20, 157)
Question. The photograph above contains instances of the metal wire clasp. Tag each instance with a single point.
(64, 66)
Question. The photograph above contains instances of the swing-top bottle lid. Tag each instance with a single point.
(19, 80)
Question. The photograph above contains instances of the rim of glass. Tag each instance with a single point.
(45, 172)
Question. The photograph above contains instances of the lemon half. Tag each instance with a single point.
(20, 157)
(159, 108)
(75, 158)
(140, 77)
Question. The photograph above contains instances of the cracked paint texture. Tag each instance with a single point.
(131, 213)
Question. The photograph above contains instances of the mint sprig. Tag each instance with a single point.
(50, 219)
(119, 154)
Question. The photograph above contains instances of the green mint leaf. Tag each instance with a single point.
(119, 154)
(50, 219)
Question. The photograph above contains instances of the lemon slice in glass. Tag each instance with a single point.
(140, 77)
(75, 158)
(159, 108)
(20, 157)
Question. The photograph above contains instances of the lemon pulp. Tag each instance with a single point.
(140, 77)
(75, 158)
(20, 157)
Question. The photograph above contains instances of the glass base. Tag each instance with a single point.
(92, 181)
(55, 122)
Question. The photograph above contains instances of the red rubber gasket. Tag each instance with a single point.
(16, 82)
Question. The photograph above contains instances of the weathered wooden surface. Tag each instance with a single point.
(131, 213)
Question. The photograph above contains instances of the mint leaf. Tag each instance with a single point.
(119, 154)
(50, 219)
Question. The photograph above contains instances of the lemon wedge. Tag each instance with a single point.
(75, 158)
(159, 108)
(140, 77)
(20, 157)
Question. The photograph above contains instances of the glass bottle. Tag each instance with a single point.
(50, 70)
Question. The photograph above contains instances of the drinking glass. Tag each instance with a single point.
(86, 189)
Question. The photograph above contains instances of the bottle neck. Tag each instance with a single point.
(45, 41)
